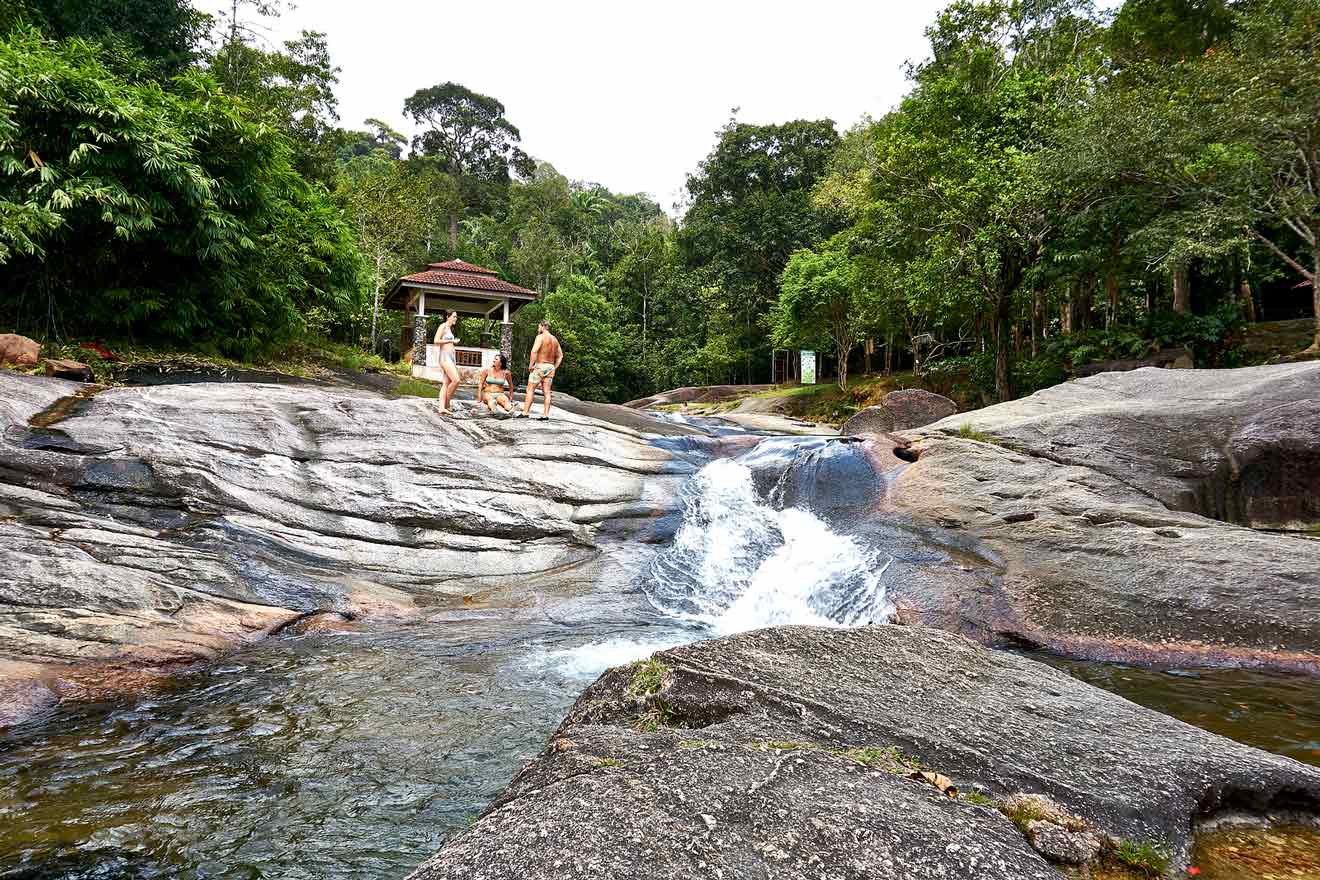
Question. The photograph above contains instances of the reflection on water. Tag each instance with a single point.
(321, 756)
(1276, 712)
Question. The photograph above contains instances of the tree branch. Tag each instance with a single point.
(1281, 255)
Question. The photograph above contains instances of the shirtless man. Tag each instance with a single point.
(544, 361)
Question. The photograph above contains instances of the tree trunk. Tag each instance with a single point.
(1182, 290)
(1249, 299)
(375, 302)
(1037, 320)
(841, 353)
(889, 353)
(1111, 308)
(1065, 314)
(868, 348)
(1003, 320)
(453, 232)
(1315, 295)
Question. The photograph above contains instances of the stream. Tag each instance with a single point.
(353, 754)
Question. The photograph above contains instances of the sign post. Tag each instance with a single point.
(808, 373)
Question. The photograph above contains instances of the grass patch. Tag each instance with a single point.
(967, 432)
(607, 762)
(658, 715)
(1023, 812)
(648, 677)
(1144, 858)
(977, 798)
(889, 758)
(784, 745)
(417, 388)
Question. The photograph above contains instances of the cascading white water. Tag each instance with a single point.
(738, 564)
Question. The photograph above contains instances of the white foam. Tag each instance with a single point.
(738, 564)
(590, 660)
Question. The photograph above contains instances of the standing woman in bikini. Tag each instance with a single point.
(445, 338)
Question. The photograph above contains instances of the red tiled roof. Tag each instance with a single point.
(460, 266)
(456, 273)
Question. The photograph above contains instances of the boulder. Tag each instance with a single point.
(157, 527)
(787, 753)
(19, 350)
(65, 369)
(1104, 518)
(901, 411)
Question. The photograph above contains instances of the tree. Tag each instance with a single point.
(823, 297)
(469, 132)
(191, 212)
(164, 34)
(751, 209)
(294, 90)
(380, 200)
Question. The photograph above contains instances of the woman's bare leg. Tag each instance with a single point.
(451, 384)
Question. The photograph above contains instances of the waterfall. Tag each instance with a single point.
(738, 563)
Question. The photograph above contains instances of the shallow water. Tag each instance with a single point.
(319, 756)
(1276, 712)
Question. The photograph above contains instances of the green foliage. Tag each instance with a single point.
(976, 798)
(1144, 858)
(161, 34)
(192, 214)
(967, 432)
(648, 677)
(750, 210)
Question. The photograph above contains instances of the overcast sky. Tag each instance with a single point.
(624, 94)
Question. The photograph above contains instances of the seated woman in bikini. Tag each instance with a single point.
(496, 385)
(445, 338)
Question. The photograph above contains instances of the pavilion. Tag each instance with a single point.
(473, 292)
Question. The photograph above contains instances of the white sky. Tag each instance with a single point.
(621, 93)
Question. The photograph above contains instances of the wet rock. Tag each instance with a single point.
(901, 411)
(161, 526)
(1138, 484)
(795, 742)
(66, 369)
(19, 350)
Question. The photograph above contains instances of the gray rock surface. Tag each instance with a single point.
(1089, 520)
(768, 755)
(900, 411)
(148, 527)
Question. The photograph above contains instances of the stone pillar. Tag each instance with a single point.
(419, 341)
(506, 341)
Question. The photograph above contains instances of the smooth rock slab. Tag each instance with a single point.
(1093, 516)
(751, 768)
(148, 527)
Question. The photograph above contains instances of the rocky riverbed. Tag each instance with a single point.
(1154, 517)
(153, 528)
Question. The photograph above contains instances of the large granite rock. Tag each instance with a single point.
(900, 411)
(156, 527)
(1107, 517)
(787, 752)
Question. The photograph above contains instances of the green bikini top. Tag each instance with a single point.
(497, 380)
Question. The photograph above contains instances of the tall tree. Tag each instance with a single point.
(470, 134)
(750, 210)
